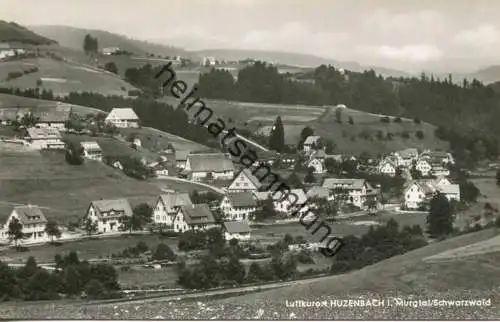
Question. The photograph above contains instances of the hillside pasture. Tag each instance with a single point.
(156, 140)
(63, 77)
(64, 191)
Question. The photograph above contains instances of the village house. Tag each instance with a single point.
(239, 230)
(92, 150)
(193, 217)
(160, 169)
(387, 167)
(424, 166)
(244, 181)
(33, 223)
(317, 161)
(217, 166)
(108, 214)
(439, 168)
(406, 157)
(288, 205)
(353, 191)
(181, 158)
(167, 205)
(110, 50)
(418, 193)
(123, 118)
(238, 206)
(42, 139)
(311, 143)
(438, 156)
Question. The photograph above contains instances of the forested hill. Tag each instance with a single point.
(12, 32)
(467, 114)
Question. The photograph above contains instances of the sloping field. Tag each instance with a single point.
(356, 138)
(63, 77)
(7, 100)
(64, 190)
(156, 140)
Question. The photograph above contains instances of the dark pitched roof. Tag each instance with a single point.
(30, 214)
(210, 162)
(236, 227)
(114, 204)
(241, 199)
(197, 214)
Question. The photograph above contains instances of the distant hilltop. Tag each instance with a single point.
(12, 32)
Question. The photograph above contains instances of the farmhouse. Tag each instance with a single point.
(109, 214)
(167, 205)
(123, 118)
(92, 150)
(238, 206)
(42, 139)
(239, 230)
(216, 166)
(160, 169)
(244, 181)
(33, 223)
(53, 116)
(353, 191)
(11, 114)
(311, 143)
(387, 167)
(193, 217)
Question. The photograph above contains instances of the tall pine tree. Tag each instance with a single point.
(277, 139)
(440, 217)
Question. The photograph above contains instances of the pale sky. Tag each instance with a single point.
(410, 35)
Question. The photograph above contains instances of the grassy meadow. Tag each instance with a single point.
(63, 77)
(64, 191)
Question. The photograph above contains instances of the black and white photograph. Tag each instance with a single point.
(249, 160)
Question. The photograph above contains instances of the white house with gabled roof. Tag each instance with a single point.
(33, 223)
(123, 118)
(167, 205)
(244, 181)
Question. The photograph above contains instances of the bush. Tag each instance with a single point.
(416, 120)
(134, 92)
(419, 134)
(305, 257)
(95, 290)
(385, 119)
(163, 252)
(397, 120)
(13, 75)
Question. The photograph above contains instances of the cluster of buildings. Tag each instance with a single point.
(13, 49)
(418, 193)
(429, 163)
